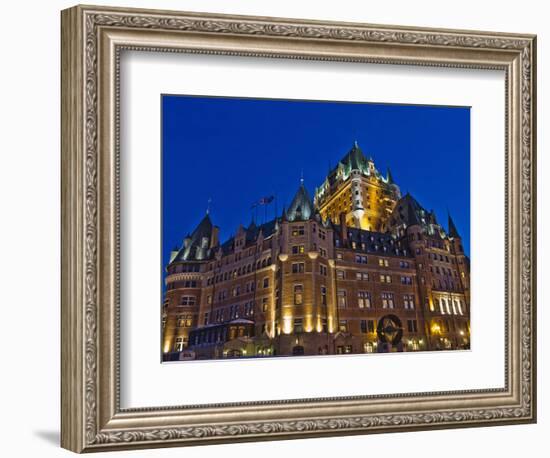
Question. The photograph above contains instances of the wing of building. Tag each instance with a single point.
(358, 269)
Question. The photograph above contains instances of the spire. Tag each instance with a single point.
(452, 228)
(301, 208)
(208, 205)
(389, 177)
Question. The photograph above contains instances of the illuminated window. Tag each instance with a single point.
(298, 249)
(178, 346)
(387, 300)
(459, 305)
(406, 280)
(323, 269)
(385, 278)
(360, 259)
(383, 262)
(298, 294)
(362, 276)
(342, 299)
(264, 304)
(343, 326)
(408, 301)
(340, 274)
(441, 309)
(363, 299)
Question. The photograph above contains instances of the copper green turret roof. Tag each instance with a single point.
(198, 247)
(301, 208)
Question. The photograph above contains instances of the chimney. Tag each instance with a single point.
(214, 237)
(343, 229)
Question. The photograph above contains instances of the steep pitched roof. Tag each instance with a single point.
(301, 208)
(452, 228)
(195, 249)
(409, 211)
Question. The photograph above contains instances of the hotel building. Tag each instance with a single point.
(357, 269)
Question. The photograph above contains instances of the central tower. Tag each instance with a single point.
(356, 189)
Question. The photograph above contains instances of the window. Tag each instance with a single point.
(339, 255)
(298, 326)
(383, 262)
(236, 291)
(322, 234)
(266, 282)
(342, 300)
(408, 301)
(363, 326)
(412, 326)
(343, 327)
(298, 267)
(298, 249)
(387, 300)
(298, 294)
(340, 274)
(362, 276)
(459, 305)
(323, 270)
(441, 309)
(188, 300)
(206, 318)
(323, 295)
(322, 252)
(404, 264)
(324, 325)
(178, 346)
(406, 280)
(298, 230)
(370, 326)
(360, 259)
(363, 299)
(209, 299)
(385, 278)
(264, 304)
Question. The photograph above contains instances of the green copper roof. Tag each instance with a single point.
(198, 247)
(301, 208)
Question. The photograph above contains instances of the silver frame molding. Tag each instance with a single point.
(92, 39)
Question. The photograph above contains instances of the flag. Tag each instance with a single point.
(263, 201)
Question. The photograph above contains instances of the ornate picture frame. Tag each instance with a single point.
(92, 40)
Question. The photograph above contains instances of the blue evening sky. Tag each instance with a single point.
(235, 151)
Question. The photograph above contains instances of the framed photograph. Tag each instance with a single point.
(277, 228)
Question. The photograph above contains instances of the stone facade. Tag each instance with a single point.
(368, 272)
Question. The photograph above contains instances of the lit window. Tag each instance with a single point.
(408, 301)
(298, 249)
(363, 299)
(342, 299)
(340, 274)
(298, 294)
(178, 346)
(383, 262)
(298, 326)
(343, 327)
(387, 300)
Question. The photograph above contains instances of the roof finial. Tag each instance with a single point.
(356, 144)
(208, 205)
(302, 177)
